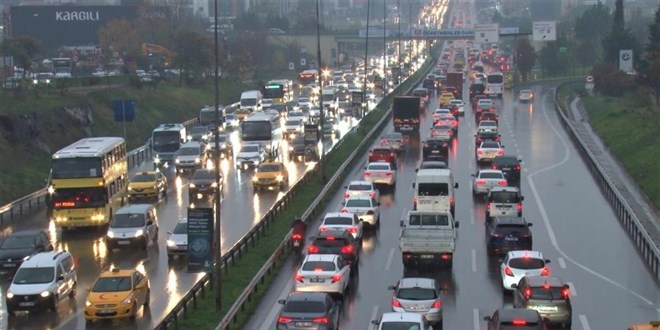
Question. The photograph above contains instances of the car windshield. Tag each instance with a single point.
(296, 114)
(456, 102)
(432, 189)
(188, 151)
(338, 221)
(144, 177)
(491, 175)
(359, 187)
(32, 275)
(269, 168)
(112, 284)
(512, 227)
(18, 242)
(416, 294)
(303, 99)
(324, 266)
(490, 145)
(203, 175)
(199, 130)
(433, 165)
(127, 220)
(399, 325)
(381, 151)
(505, 161)
(504, 197)
(358, 203)
(394, 136)
(181, 228)
(550, 293)
(378, 167)
(250, 149)
(292, 122)
(488, 123)
(314, 307)
(442, 127)
(526, 263)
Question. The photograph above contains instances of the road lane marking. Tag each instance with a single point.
(388, 264)
(572, 288)
(65, 324)
(472, 216)
(474, 260)
(584, 322)
(546, 218)
(268, 322)
(562, 263)
(374, 314)
(475, 317)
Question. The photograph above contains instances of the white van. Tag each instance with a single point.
(251, 100)
(434, 190)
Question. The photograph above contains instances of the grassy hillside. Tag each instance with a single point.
(33, 127)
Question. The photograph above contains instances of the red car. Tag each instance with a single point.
(382, 154)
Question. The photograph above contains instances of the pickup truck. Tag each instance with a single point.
(427, 239)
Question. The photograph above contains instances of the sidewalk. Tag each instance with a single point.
(645, 210)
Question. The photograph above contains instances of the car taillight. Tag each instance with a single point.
(347, 195)
(481, 182)
(488, 206)
(352, 230)
(336, 278)
(519, 322)
(527, 293)
(323, 229)
(517, 168)
(344, 211)
(370, 154)
(388, 174)
(565, 293)
(502, 183)
(449, 132)
(283, 319)
(367, 173)
(494, 167)
(372, 194)
(395, 302)
(296, 236)
(370, 212)
(347, 250)
(545, 271)
(299, 278)
(437, 304)
(451, 200)
(322, 320)
(480, 152)
(392, 154)
(500, 152)
(313, 249)
(508, 271)
(519, 207)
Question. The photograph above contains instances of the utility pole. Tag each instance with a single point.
(365, 101)
(322, 117)
(398, 45)
(217, 253)
(384, 47)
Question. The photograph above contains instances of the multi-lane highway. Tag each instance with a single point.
(169, 281)
(574, 226)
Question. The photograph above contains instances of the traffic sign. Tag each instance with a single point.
(545, 31)
(303, 61)
(626, 60)
(486, 33)
(292, 66)
(441, 33)
(124, 110)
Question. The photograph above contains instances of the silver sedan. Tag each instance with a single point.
(484, 180)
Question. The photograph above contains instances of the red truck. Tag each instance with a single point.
(455, 79)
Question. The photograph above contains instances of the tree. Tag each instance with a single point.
(194, 53)
(248, 21)
(119, 36)
(525, 57)
(24, 50)
(611, 81)
(653, 46)
(619, 38)
(550, 58)
(593, 23)
(585, 53)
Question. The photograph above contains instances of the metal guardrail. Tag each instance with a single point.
(317, 206)
(624, 212)
(36, 200)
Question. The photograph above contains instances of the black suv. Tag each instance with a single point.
(515, 318)
(19, 245)
(226, 149)
(486, 135)
(510, 166)
(435, 149)
(297, 148)
(508, 233)
(309, 310)
(339, 242)
(203, 186)
(546, 294)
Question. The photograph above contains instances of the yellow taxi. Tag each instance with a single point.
(147, 184)
(117, 294)
(270, 175)
(445, 98)
(653, 325)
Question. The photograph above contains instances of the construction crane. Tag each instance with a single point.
(160, 53)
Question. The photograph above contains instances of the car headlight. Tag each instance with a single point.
(214, 185)
(290, 148)
(189, 137)
(45, 294)
(171, 243)
(279, 178)
(26, 258)
(88, 303)
(130, 188)
(156, 160)
(98, 217)
(197, 160)
(127, 301)
(139, 233)
(177, 161)
(192, 185)
(255, 178)
(111, 234)
(10, 295)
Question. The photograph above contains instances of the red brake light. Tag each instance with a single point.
(437, 304)
(299, 278)
(519, 322)
(494, 167)
(367, 173)
(296, 236)
(545, 271)
(352, 230)
(508, 271)
(336, 278)
(527, 293)
(480, 152)
(451, 200)
(322, 320)
(565, 293)
(392, 154)
(347, 249)
(388, 174)
(283, 319)
(323, 229)
(488, 206)
(347, 195)
(517, 168)
(502, 183)
(500, 152)
(330, 238)
(449, 132)
(395, 302)
(519, 207)
(344, 211)
(313, 249)
(372, 194)
(481, 182)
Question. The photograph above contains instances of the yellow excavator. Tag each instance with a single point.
(165, 54)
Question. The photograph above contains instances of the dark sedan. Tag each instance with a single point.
(509, 165)
(20, 245)
(508, 233)
(484, 136)
(435, 149)
(308, 311)
(203, 185)
(297, 148)
(226, 149)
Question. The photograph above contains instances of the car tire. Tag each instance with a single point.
(147, 300)
(135, 309)
(145, 243)
(72, 293)
(155, 239)
(53, 304)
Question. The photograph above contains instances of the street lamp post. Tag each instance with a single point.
(385, 46)
(217, 267)
(322, 116)
(365, 102)
(398, 45)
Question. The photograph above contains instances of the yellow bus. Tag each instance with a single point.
(88, 180)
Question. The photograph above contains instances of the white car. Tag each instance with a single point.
(314, 111)
(459, 104)
(437, 113)
(342, 221)
(250, 155)
(441, 131)
(487, 126)
(488, 150)
(266, 103)
(177, 241)
(299, 115)
(395, 320)
(293, 127)
(519, 263)
(484, 180)
(323, 273)
(380, 173)
(525, 95)
(361, 188)
(304, 103)
(366, 208)
(394, 140)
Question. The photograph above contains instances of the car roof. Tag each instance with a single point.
(307, 296)
(490, 171)
(416, 282)
(44, 259)
(135, 208)
(525, 253)
(191, 144)
(509, 314)
(117, 273)
(321, 257)
(394, 316)
(537, 280)
(509, 220)
(360, 183)
(338, 215)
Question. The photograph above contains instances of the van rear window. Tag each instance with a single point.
(504, 197)
(429, 220)
(432, 189)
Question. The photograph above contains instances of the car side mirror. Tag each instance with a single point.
(375, 322)
(472, 175)
(60, 278)
(529, 224)
(391, 287)
(456, 185)
(456, 224)
(281, 301)
(345, 187)
(364, 168)
(401, 223)
(547, 261)
(487, 318)
(416, 170)
(514, 286)
(502, 146)
(413, 185)
(522, 198)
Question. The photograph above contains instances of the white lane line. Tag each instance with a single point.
(268, 322)
(390, 257)
(474, 260)
(472, 219)
(562, 263)
(374, 314)
(546, 218)
(584, 322)
(475, 317)
(65, 324)
(403, 214)
(572, 288)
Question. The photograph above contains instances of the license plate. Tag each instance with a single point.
(506, 168)
(316, 280)
(303, 324)
(106, 311)
(296, 243)
(123, 242)
(26, 303)
(435, 151)
(426, 256)
(511, 239)
(9, 265)
(547, 308)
